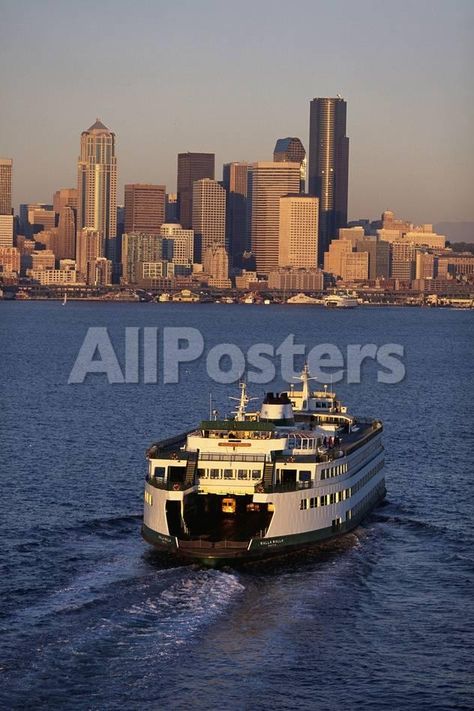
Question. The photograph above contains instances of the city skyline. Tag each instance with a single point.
(400, 71)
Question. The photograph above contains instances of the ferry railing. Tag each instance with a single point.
(170, 485)
(283, 488)
(216, 457)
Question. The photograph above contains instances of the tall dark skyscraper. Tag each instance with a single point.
(191, 167)
(328, 169)
(234, 180)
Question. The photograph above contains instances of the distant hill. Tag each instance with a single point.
(456, 231)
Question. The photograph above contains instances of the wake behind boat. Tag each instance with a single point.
(299, 471)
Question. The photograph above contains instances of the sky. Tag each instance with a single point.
(231, 78)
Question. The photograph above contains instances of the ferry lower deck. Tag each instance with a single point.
(203, 518)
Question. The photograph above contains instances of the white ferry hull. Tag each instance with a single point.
(264, 484)
(225, 553)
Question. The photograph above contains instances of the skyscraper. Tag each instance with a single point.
(291, 150)
(191, 167)
(267, 183)
(234, 179)
(208, 215)
(329, 166)
(6, 217)
(138, 247)
(144, 207)
(64, 197)
(66, 234)
(97, 184)
(298, 231)
(90, 246)
(6, 167)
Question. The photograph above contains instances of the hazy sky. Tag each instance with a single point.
(231, 78)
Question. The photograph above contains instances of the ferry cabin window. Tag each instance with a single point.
(305, 475)
(256, 474)
(228, 474)
(214, 473)
(159, 472)
(201, 473)
(242, 474)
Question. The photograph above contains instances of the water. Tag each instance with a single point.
(92, 618)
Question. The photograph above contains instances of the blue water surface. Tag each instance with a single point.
(92, 618)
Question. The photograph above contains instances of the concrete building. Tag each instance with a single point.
(291, 150)
(97, 184)
(235, 180)
(6, 230)
(191, 167)
(64, 197)
(43, 259)
(41, 214)
(456, 264)
(47, 238)
(328, 166)
(267, 183)
(215, 263)
(178, 244)
(53, 276)
(144, 207)
(209, 208)
(246, 280)
(148, 272)
(424, 236)
(139, 247)
(99, 272)
(67, 264)
(296, 279)
(345, 263)
(352, 234)
(403, 261)
(40, 218)
(9, 260)
(425, 265)
(355, 266)
(90, 245)
(298, 231)
(395, 230)
(333, 258)
(6, 169)
(379, 257)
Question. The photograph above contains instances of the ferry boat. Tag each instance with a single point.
(341, 300)
(299, 471)
(303, 299)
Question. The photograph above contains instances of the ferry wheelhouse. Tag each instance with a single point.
(299, 471)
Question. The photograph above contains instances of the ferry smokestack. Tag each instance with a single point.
(277, 408)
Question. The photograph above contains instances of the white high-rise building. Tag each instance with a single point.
(298, 231)
(215, 264)
(89, 247)
(6, 230)
(97, 181)
(209, 201)
(267, 183)
(183, 243)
